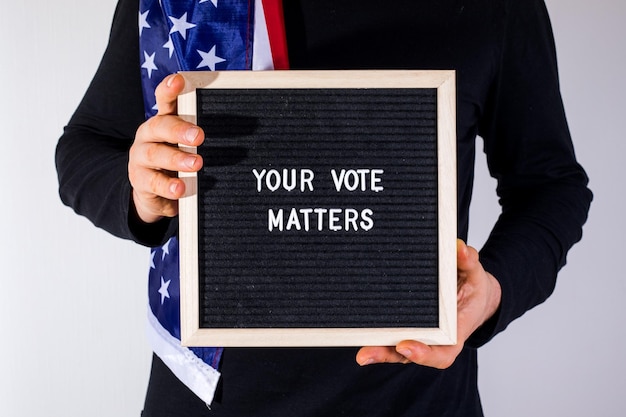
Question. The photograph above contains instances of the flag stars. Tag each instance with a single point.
(152, 254)
(209, 59)
(181, 25)
(149, 63)
(164, 290)
(212, 1)
(169, 45)
(143, 21)
(166, 249)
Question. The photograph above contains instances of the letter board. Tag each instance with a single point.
(325, 213)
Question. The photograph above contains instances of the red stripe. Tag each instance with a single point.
(276, 32)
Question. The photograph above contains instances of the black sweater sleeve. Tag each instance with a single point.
(92, 154)
(542, 189)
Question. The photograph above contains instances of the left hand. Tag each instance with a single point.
(478, 298)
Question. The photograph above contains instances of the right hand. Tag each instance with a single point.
(155, 158)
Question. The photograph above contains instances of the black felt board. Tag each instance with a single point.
(385, 276)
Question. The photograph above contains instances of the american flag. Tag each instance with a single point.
(203, 35)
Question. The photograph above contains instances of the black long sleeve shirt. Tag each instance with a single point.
(508, 94)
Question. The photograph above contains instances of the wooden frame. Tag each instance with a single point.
(192, 334)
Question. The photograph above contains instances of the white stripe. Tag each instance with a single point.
(191, 370)
(261, 51)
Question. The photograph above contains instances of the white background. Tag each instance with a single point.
(65, 352)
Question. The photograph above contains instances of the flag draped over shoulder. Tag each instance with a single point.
(203, 35)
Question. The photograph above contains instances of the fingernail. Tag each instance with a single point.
(174, 188)
(405, 352)
(367, 362)
(189, 161)
(170, 80)
(191, 134)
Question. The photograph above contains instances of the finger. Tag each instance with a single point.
(167, 94)
(159, 156)
(152, 182)
(151, 207)
(379, 354)
(155, 195)
(169, 129)
(440, 357)
(410, 351)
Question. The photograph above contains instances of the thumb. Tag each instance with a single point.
(466, 256)
(167, 94)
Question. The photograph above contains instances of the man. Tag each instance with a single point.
(115, 168)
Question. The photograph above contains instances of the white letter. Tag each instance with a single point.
(307, 213)
(355, 180)
(258, 178)
(333, 219)
(337, 181)
(274, 220)
(306, 178)
(320, 217)
(363, 173)
(268, 181)
(376, 179)
(350, 219)
(367, 223)
(287, 176)
(293, 221)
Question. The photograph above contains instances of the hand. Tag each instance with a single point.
(154, 157)
(478, 298)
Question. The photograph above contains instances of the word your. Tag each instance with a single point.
(274, 180)
(362, 179)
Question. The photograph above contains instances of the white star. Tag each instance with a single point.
(149, 63)
(181, 25)
(164, 289)
(169, 46)
(209, 59)
(143, 21)
(166, 249)
(152, 253)
(212, 1)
